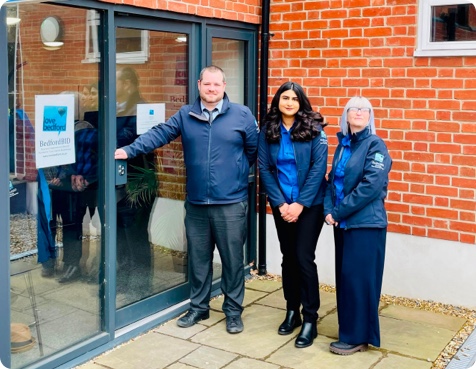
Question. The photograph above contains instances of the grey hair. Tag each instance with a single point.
(213, 69)
(357, 102)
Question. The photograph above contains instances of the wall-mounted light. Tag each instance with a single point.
(11, 21)
(181, 39)
(12, 15)
(51, 31)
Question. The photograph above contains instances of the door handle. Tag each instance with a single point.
(121, 172)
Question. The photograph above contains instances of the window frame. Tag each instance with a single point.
(425, 47)
(94, 56)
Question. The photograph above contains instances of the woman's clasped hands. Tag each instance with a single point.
(330, 220)
(290, 212)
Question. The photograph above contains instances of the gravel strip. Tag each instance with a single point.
(22, 233)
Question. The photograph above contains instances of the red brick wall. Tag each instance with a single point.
(425, 107)
(237, 10)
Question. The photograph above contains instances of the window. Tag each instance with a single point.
(132, 46)
(446, 27)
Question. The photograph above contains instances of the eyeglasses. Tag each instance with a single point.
(355, 110)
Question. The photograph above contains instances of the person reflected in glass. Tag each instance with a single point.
(84, 98)
(133, 247)
(292, 164)
(74, 190)
(127, 92)
(219, 140)
(355, 206)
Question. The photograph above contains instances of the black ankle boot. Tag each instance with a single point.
(307, 335)
(292, 320)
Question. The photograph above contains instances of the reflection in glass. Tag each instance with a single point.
(151, 247)
(55, 229)
(132, 46)
(453, 23)
(229, 55)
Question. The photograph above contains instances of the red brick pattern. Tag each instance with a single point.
(424, 107)
(248, 11)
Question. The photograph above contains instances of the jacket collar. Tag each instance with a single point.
(355, 137)
(197, 109)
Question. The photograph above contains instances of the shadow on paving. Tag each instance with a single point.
(411, 339)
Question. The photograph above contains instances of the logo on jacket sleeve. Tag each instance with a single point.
(377, 162)
(323, 140)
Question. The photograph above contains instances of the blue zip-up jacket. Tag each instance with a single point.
(217, 156)
(365, 183)
(311, 163)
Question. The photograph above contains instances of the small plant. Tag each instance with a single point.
(141, 185)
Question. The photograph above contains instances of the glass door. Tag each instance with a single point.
(151, 85)
(55, 224)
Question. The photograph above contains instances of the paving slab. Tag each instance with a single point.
(171, 329)
(328, 326)
(328, 303)
(246, 363)
(413, 339)
(318, 356)
(178, 366)
(423, 316)
(259, 338)
(399, 362)
(208, 358)
(150, 351)
(250, 297)
(263, 285)
(274, 299)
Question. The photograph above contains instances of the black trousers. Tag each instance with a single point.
(360, 256)
(298, 243)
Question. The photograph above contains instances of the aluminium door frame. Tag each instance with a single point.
(111, 335)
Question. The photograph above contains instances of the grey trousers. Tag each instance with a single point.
(225, 227)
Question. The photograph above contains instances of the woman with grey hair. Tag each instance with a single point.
(354, 205)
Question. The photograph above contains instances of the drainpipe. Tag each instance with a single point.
(263, 104)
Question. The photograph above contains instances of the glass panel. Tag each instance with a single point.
(55, 232)
(453, 23)
(151, 247)
(229, 55)
(132, 46)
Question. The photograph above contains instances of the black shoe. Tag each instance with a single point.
(307, 335)
(234, 324)
(192, 317)
(292, 320)
(71, 274)
(342, 348)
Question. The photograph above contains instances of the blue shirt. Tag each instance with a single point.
(286, 164)
(215, 111)
(339, 174)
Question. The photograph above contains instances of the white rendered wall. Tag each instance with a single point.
(166, 226)
(415, 267)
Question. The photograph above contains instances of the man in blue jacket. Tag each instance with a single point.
(219, 140)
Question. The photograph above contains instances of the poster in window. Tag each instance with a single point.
(54, 130)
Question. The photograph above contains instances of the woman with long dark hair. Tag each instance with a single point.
(292, 162)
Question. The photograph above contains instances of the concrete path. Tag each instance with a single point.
(411, 339)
